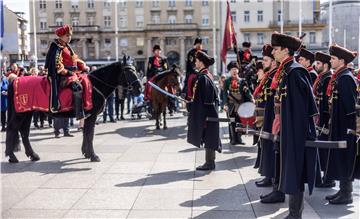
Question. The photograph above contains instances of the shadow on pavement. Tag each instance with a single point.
(45, 167)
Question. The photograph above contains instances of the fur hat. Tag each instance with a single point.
(204, 58)
(322, 57)
(198, 40)
(290, 42)
(307, 55)
(342, 53)
(232, 64)
(267, 50)
(246, 44)
(259, 65)
(156, 47)
(65, 29)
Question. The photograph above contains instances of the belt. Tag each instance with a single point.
(71, 68)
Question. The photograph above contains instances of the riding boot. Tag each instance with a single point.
(345, 194)
(78, 105)
(233, 134)
(275, 196)
(209, 160)
(296, 206)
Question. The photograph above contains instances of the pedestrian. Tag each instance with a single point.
(4, 101)
(62, 123)
(343, 164)
(109, 108)
(204, 104)
(294, 123)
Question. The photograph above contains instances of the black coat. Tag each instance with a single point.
(53, 76)
(322, 102)
(341, 162)
(190, 67)
(153, 70)
(204, 105)
(297, 162)
(267, 156)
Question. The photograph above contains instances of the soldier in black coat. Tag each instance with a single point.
(322, 67)
(156, 63)
(204, 104)
(342, 163)
(296, 122)
(306, 59)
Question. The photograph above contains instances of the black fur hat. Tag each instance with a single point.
(290, 42)
(156, 47)
(246, 44)
(322, 57)
(198, 40)
(307, 55)
(232, 64)
(204, 58)
(342, 53)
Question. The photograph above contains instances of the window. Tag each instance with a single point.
(247, 37)
(188, 3)
(140, 41)
(172, 3)
(170, 41)
(59, 21)
(107, 42)
(188, 18)
(90, 3)
(123, 21)
(260, 16)
(246, 16)
(58, 4)
(91, 21)
(260, 0)
(172, 19)
(43, 44)
(75, 21)
(260, 38)
(279, 16)
(312, 37)
(123, 42)
(43, 24)
(139, 21)
(205, 2)
(246, 1)
(122, 4)
(107, 21)
(74, 4)
(205, 20)
(205, 40)
(233, 16)
(107, 4)
(233, 1)
(155, 18)
(156, 3)
(139, 4)
(42, 4)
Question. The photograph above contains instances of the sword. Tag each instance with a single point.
(166, 93)
(213, 119)
(276, 138)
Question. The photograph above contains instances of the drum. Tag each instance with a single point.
(246, 112)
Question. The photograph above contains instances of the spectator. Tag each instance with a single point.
(109, 108)
(62, 123)
(4, 101)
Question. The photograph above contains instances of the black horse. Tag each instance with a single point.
(104, 81)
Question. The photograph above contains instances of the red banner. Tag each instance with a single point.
(229, 39)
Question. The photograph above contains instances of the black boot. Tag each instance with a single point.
(233, 135)
(266, 182)
(345, 194)
(296, 206)
(12, 158)
(209, 160)
(274, 197)
(327, 184)
(329, 197)
(78, 105)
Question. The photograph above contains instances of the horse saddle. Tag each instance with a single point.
(34, 92)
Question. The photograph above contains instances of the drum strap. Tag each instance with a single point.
(234, 98)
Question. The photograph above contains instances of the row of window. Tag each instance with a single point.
(261, 37)
(107, 3)
(246, 1)
(260, 16)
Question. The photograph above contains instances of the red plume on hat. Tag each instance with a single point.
(65, 29)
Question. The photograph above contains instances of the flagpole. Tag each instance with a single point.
(330, 22)
(359, 45)
(35, 44)
(214, 37)
(116, 33)
(300, 18)
(344, 38)
(282, 16)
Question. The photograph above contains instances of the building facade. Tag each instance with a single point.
(15, 42)
(173, 25)
(345, 23)
(255, 21)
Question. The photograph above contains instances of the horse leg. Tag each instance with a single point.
(88, 137)
(25, 131)
(12, 140)
(156, 114)
(164, 116)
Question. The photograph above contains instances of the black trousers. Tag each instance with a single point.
(119, 104)
(3, 119)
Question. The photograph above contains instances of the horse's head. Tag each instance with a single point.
(173, 78)
(132, 81)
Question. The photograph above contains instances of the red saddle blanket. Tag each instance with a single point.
(33, 93)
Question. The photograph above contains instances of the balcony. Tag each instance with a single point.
(170, 27)
(316, 23)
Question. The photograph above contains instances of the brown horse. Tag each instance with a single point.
(167, 80)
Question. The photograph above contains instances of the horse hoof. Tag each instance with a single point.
(34, 157)
(165, 127)
(86, 156)
(95, 158)
(13, 159)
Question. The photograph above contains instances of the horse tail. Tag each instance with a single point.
(12, 133)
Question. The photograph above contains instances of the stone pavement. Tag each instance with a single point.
(144, 173)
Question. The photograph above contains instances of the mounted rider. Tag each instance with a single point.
(63, 67)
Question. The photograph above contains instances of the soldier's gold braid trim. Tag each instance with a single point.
(59, 64)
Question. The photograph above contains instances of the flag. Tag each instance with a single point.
(229, 39)
(1, 24)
